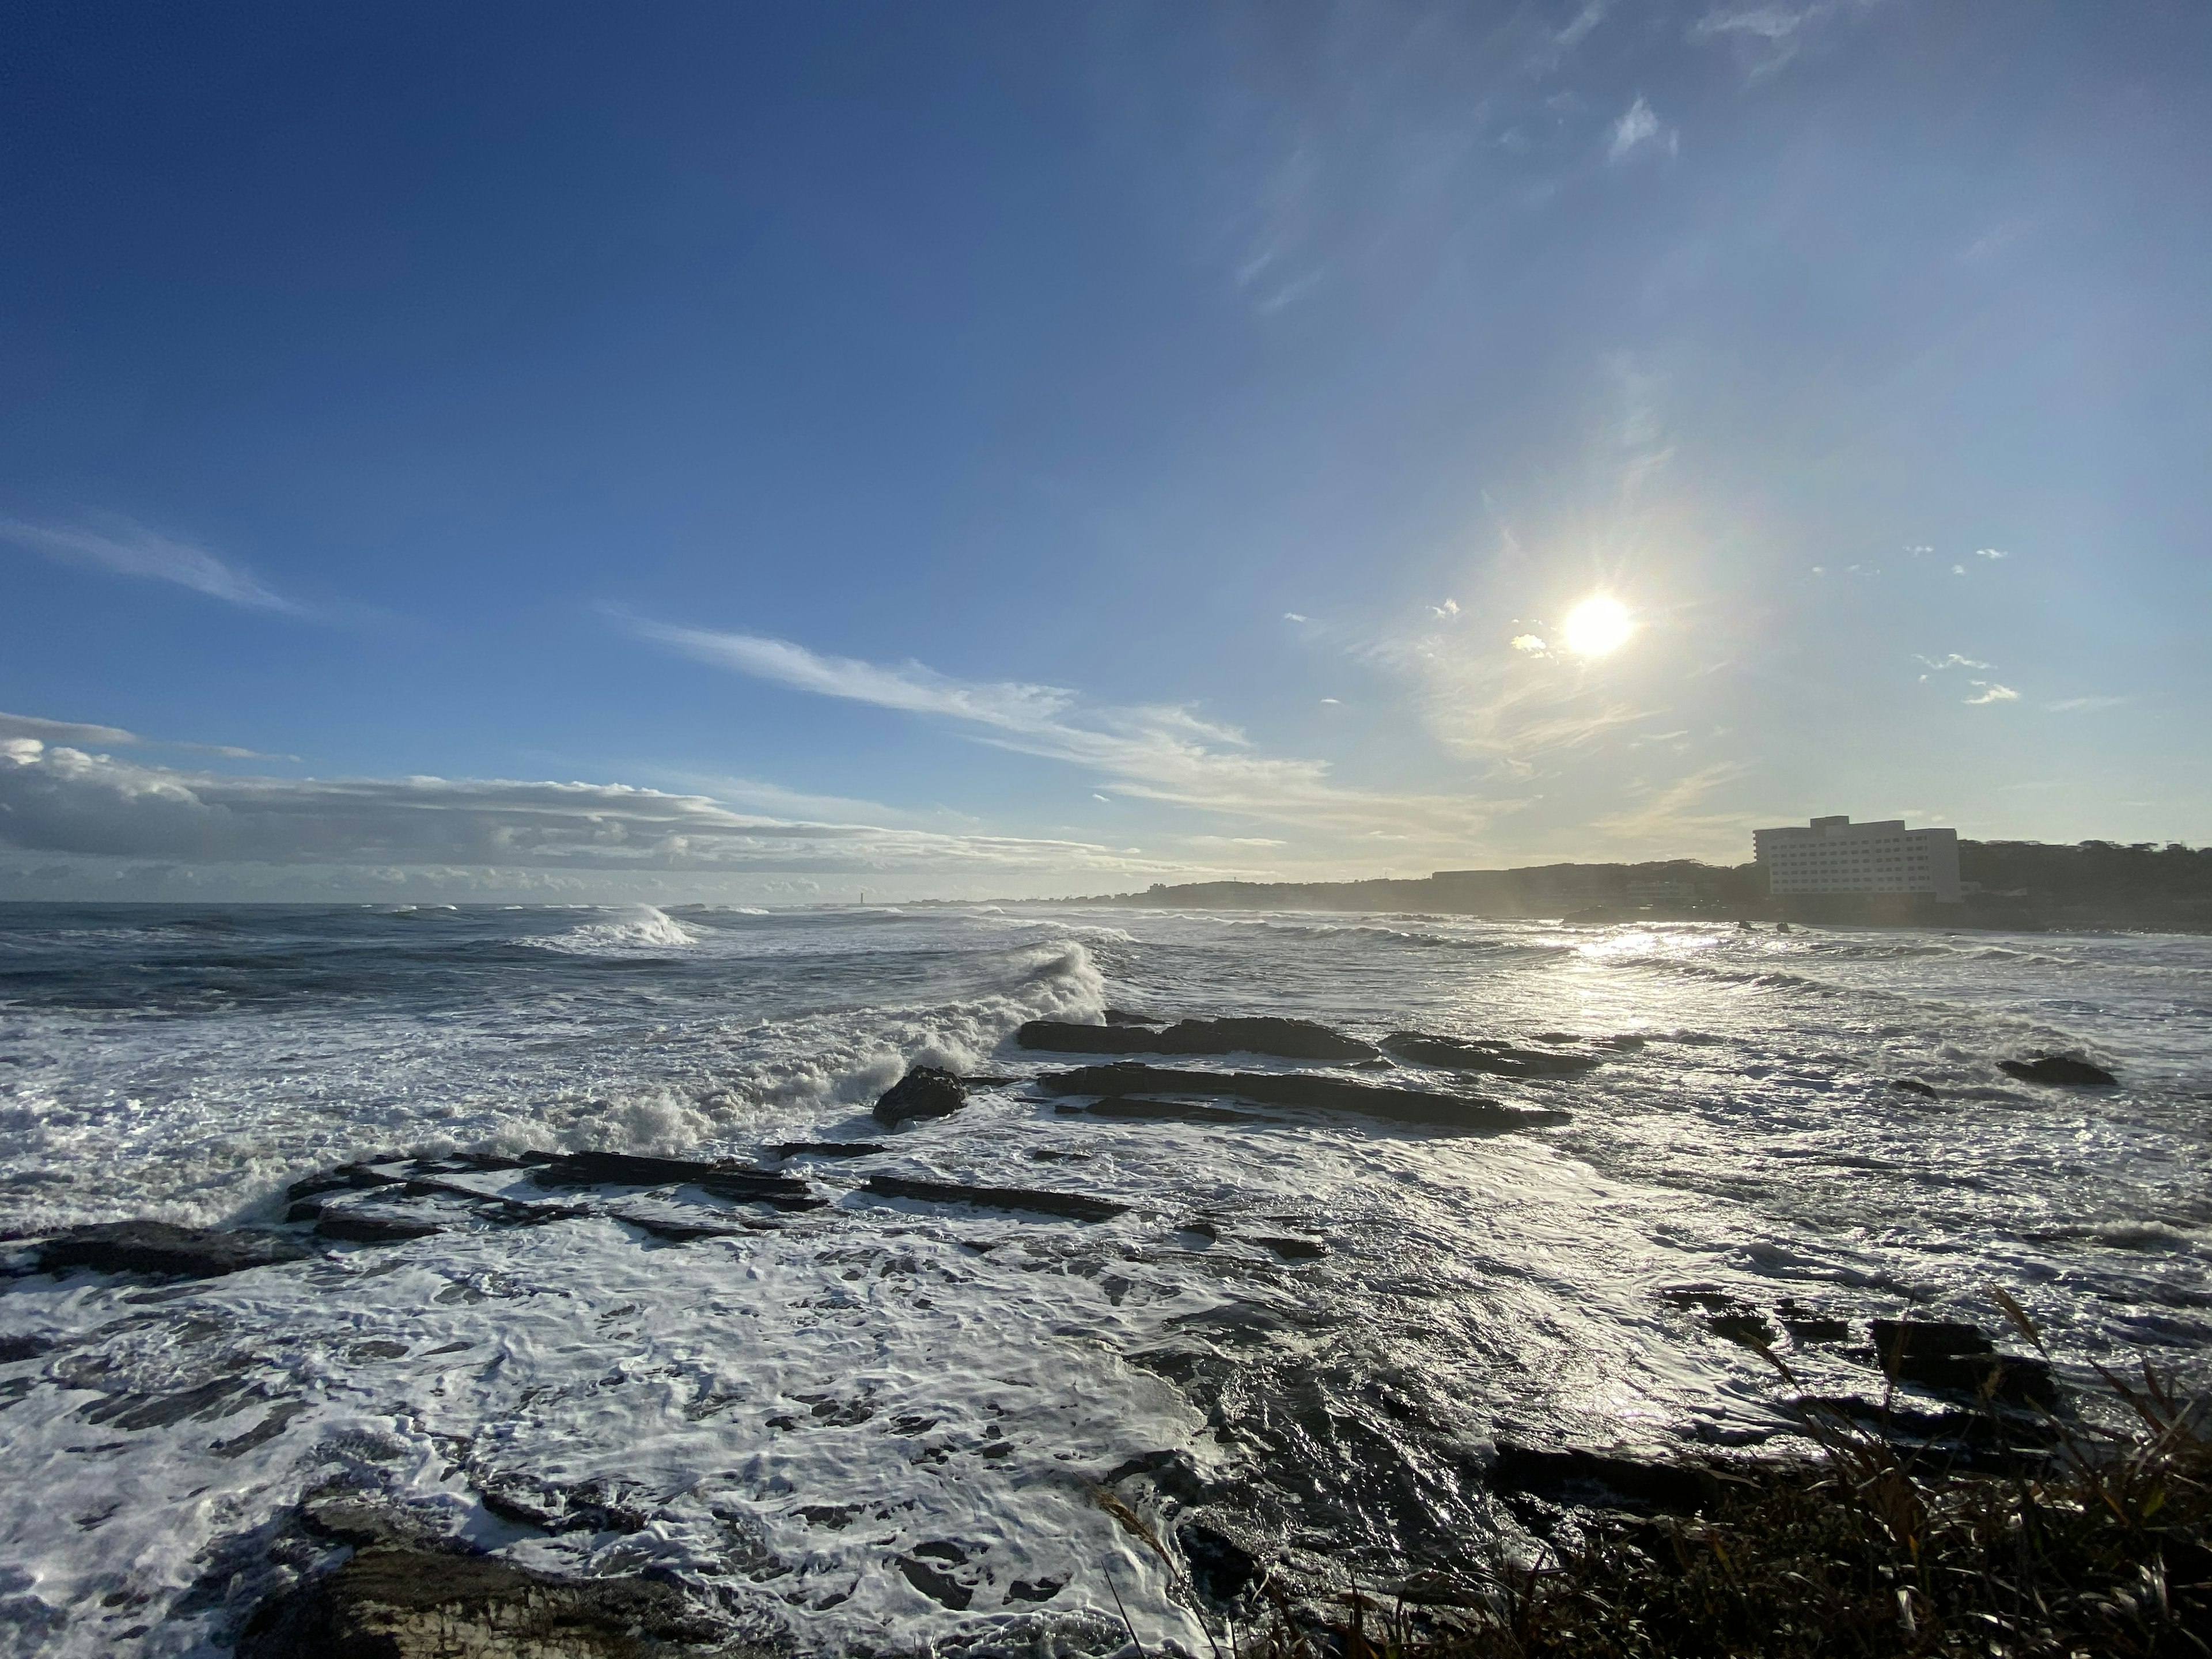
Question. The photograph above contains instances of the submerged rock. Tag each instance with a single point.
(156, 1247)
(1327, 1094)
(723, 1180)
(1286, 1039)
(2059, 1068)
(1072, 1204)
(1498, 1058)
(398, 1601)
(925, 1091)
(1221, 1569)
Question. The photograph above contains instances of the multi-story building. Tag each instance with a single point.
(1834, 855)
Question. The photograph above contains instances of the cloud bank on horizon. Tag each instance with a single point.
(1176, 445)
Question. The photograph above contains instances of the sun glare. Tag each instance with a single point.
(1597, 625)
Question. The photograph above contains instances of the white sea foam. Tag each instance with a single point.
(797, 1411)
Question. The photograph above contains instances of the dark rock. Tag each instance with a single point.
(1566, 1472)
(1042, 1590)
(1499, 1058)
(1816, 1328)
(1221, 1568)
(1913, 1085)
(1294, 1249)
(1286, 1039)
(1747, 1328)
(997, 1197)
(155, 1247)
(344, 1178)
(393, 1600)
(1915, 1338)
(352, 1226)
(1469, 1113)
(14, 1350)
(829, 1149)
(723, 1180)
(1164, 1110)
(675, 1231)
(1627, 1044)
(1123, 1017)
(925, 1091)
(2059, 1068)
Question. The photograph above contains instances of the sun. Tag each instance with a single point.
(1597, 626)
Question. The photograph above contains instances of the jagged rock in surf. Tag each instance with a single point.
(399, 1601)
(1477, 1054)
(1470, 1112)
(1072, 1204)
(156, 1247)
(925, 1091)
(723, 1180)
(829, 1149)
(2059, 1069)
(1123, 1017)
(357, 1226)
(1221, 1569)
(1913, 1085)
(1286, 1039)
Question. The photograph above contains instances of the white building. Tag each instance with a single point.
(1834, 855)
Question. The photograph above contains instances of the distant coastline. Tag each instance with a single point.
(2023, 885)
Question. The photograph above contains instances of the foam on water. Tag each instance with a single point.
(789, 1415)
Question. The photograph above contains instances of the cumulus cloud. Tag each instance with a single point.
(57, 799)
(1529, 643)
(1158, 752)
(1990, 691)
(116, 544)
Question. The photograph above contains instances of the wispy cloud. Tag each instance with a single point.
(110, 542)
(1638, 125)
(1766, 35)
(2085, 705)
(29, 728)
(1990, 691)
(1158, 752)
(1670, 812)
(1938, 664)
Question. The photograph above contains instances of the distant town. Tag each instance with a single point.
(1828, 870)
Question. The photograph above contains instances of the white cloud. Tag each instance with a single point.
(44, 732)
(2085, 705)
(1954, 660)
(1163, 753)
(1637, 125)
(132, 549)
(62, 800)
(1991, 553)
(1765, 36)
(1990, 691)
(1529, 643)
(1293, 616)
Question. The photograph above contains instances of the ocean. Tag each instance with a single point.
(880, 1424)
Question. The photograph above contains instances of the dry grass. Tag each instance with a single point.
(2105, 1549)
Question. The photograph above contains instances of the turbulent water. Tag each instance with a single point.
(844, 1426)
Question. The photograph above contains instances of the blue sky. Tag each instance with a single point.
(753, 452)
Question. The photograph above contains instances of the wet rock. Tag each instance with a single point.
(925, 1091)
(1469, 1113)
(2059, 1069)
(1294, 1249)
(1498, 1058)
(14, 1350)
(1808, 1325)
(1913, 1085)
(1914, 1339)
(1627, 1045)
(1072, 1204)
(396, 1601)
(1746, 1328)
(1123, 1017)
(354, 1227)
(346, 1176)
(1041, 1589)
(1222, 1569)
(1571, 1474)
(678, 1231)
(155, 1247)
(829, 1149)
(723, 1180)
(938, 1585)
(1285, 1039)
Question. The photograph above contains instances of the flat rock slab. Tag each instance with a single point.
(1072, 1204)
(830, 1149)
(1285, 1039)
(2059, 1069)
(1469, 1113)
(396, 1602)
(723, 1180)
(925, 1091)
(156, 1247)
(1566, 1472)
(1498, 1058)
